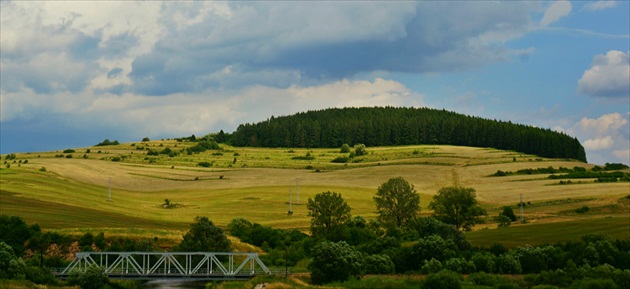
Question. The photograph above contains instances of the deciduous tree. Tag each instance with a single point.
(204, 236)
(457, 206)
(397, 202)
(328, 212)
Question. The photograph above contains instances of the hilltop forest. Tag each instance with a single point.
(393, 126)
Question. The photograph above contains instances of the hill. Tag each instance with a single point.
(69, 190)
(395, 126)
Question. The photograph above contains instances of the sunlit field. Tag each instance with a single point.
(72, 193)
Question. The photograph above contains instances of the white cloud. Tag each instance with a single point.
(607, 137)
(608, 77)
(600, 5)
(557, 10)
(599, 143)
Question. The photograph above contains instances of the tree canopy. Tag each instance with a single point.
(389, 126)
(204, 236)
(397, 202)
(457, 206)
(328, 212)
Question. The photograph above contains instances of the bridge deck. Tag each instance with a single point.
(170, 265)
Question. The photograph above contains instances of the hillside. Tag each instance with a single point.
(69, 191)
(392, 126)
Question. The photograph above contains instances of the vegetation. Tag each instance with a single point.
(397, 202)
(328, 212)
(457, 206)
(204, 236)
(386, 126)
(107, 142)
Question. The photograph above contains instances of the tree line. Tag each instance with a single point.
(391, 126)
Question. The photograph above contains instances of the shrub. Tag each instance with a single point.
(145, 139)
(42, 169)
(345, 148)
(340, 160)
(509, 212)
(431, 266)
(334, 262)
(68, 151)
(204, 164)
(442, 280)
(93, 277)
(504, 221)
(116, 159)
(507, 264)
(40, 275)
(582, 210)
(459, 265)
(107, 142)
(594, 284)
(378, 264)
(359, 150)
(68, 156)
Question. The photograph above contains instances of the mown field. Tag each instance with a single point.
(71, 193)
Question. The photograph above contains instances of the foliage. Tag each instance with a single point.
(92, 277)
(15, 232)
(427, 226)
(457, 206)
(40, 275)
(107, 142)
(434, 247)
(509, 212)
(504, 221)
(203, 146)
(508, 264)
(442, 280)
(334, 262)
(68, 151)
(204, 236)
(204, 164)
(459, 265)
(11, 267)
(145, 139)
(345, 148)
(386, 126)
(431, 266)
(397, 202)
(378, 264)
(615, 166)
(328, 212)
(359, 150)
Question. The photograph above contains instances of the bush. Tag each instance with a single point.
(582, 210)
(378, 264)
(68, 151)
(204, 164)
(359, 150)
(40, 275)
(594, 284)
(431, 266)
(145, 139)
(442, 280)
(93, 277)
(340, 160)
(459, 265)
(334, 262)
(345, 148)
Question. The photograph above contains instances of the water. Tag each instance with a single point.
(173, 284)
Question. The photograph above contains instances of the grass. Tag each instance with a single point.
(549, 233)
(72, 193)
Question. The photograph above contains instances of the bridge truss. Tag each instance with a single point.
(162, 265)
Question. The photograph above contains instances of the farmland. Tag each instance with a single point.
(70, 194)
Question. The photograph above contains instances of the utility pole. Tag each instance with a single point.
(290, 201)
(109, 195)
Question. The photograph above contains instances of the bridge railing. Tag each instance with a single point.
(170, 264)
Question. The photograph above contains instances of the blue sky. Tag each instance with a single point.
(74, 73)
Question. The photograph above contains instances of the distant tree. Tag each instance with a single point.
(508, 212)
(360, 150)
(457, 206)
(504, 221)
(204, 236)
(239, 227)
(397, 202)
(335, 262)
(145, 139)
(345, 148)
(328, 212)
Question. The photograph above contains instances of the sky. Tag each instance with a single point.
(75, 73)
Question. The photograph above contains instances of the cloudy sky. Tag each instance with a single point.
(74, 73)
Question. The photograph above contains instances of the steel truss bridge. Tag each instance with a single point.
(167, 265)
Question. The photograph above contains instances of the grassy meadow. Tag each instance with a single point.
(70, 194)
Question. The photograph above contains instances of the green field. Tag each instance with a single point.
(71, 194)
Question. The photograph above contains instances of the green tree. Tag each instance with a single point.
(508, 212)
(397, 202)
(204, 236)
(345, 148)
(328, 212)
(93, 277)
(11, 267)
(334, 262)
(457, 206)
(359, 150)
